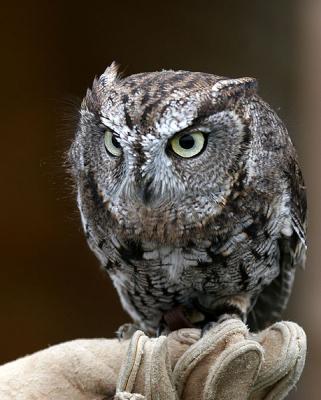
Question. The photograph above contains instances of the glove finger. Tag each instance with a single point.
(158, 372)
(234, 372)
(131, 363)
(146, 370)
(284, 346)
(192, 367)
(179, 341)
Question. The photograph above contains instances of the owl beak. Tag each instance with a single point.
(147, 192)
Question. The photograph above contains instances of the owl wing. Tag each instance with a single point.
(273, 299)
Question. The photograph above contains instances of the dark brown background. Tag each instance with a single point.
(51, 288)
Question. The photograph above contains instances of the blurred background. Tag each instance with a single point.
(51, 287)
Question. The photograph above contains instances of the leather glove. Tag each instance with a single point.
(226, 363)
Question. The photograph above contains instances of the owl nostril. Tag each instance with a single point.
(147, 192)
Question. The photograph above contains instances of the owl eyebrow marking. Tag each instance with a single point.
(193, 126)
(206, 109)
(195, 123)
(106, 123)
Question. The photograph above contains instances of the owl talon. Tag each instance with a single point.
(224, 317)
(162, 329)
(126, 331)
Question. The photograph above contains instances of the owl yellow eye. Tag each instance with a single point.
(112, 145)
(188, 145)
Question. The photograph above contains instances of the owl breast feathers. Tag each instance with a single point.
(190, 195)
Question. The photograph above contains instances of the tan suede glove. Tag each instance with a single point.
(227, 363)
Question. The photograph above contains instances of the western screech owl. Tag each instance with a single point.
(190, 195)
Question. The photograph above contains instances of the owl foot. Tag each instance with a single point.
(126, 331)
(219, 314)
(224, 317)
(174, 319)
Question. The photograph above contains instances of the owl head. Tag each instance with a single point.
(157, 155)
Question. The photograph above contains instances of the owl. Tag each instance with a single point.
(191, 196)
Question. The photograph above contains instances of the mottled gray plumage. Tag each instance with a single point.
(218, 232)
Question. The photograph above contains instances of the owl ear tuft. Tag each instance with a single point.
(110, 74)
(231, 90)
(94, 96)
